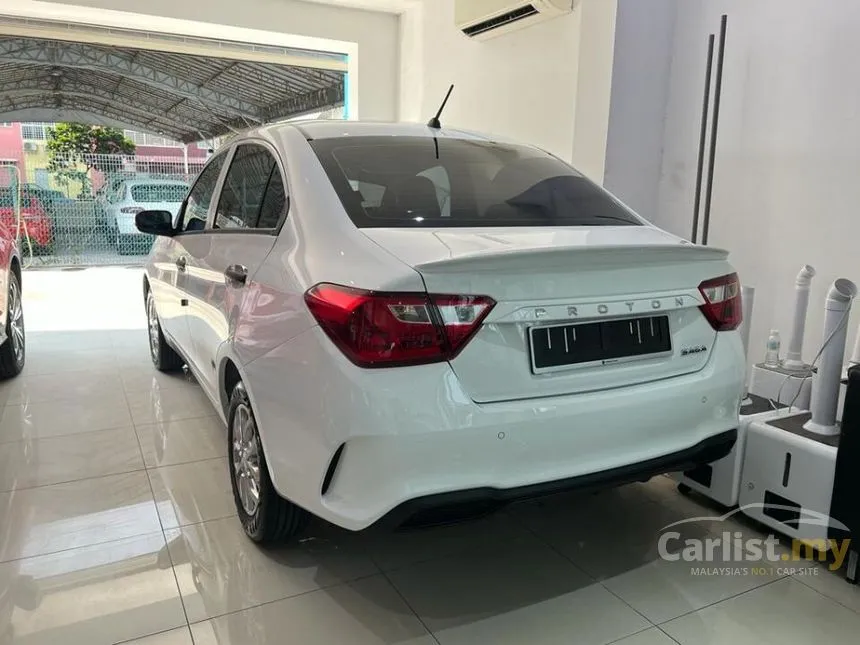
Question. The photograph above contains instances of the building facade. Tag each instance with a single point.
(23, 146)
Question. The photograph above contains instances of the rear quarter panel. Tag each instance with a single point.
(317, 243)
(325, 245)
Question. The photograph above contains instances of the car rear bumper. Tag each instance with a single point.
(353, 445)
(37, 226)
(706, 451)
(39, 230)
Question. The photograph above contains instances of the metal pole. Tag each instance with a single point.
(718, 87)
(700, 164)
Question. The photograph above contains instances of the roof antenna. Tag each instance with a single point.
(434, 122)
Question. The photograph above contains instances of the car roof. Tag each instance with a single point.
(329, 129)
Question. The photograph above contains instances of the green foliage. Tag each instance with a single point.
(74, 149)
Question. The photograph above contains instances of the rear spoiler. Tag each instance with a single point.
(574, 257)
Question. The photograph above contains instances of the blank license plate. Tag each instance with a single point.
(600, 342)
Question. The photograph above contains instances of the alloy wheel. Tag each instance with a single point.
(154, 330)
(16, 320)
(246, 458)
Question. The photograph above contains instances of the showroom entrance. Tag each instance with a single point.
(161, 103)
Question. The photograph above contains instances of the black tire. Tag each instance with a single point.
(13, 351)
(274, 519)
(41, 249)
(164, 357)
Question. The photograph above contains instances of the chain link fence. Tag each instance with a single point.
(81, 212)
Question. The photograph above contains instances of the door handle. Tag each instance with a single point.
(181, 262)
(236, 273)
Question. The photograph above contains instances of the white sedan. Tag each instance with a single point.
(394, 319)
(132, 196)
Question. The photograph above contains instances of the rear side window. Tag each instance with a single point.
(274, 201)
(9, 198)
(437, 182)
(158, 192)
(253, 195)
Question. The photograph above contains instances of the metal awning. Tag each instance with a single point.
(182, 96)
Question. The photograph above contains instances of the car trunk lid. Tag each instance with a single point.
(578, 308)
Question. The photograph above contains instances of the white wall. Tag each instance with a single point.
(547, 84)
(375, 33)
(644, 34)
(787, 175)
(594, 86)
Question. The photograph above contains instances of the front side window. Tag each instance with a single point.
(253, 195)
(197, 204)
(444, 182)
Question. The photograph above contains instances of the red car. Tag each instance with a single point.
(35, 221)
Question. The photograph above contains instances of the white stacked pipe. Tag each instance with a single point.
(793, 357)
(825, 387)
(855, 355)
(747, 302)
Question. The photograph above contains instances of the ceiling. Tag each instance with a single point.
(389, 6)
(182, 96)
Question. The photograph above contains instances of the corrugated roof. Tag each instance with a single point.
(181, 96)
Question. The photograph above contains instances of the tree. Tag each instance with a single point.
(74, 149)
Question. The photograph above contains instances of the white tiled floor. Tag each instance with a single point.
(117, 526)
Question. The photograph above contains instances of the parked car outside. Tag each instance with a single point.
(101, 197)
(12, 337)
(49, 197)
(35, 221)
(134, 196)
(393, 318)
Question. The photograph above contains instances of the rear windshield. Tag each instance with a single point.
(158, 192)
(435, 182)
(9, 197)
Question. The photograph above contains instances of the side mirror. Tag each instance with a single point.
(155, 222)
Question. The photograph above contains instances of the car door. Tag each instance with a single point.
(170, 256)
(224, 261)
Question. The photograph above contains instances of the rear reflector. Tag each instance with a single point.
(380, 329)
(722, 305)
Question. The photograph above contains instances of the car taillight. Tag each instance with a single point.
(133, 210)
(722, 305)
(380, 329)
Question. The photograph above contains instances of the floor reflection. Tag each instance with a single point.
(116, 524)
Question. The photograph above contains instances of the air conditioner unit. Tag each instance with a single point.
(30, 146)
(483, 19)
